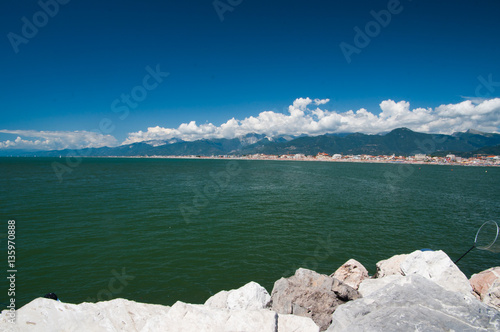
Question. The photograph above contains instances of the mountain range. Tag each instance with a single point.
(401, 141)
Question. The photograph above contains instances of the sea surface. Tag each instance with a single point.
(162, 230)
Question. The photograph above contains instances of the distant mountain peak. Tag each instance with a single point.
(250, 138)
(475, 132)
(157, 142)
(402, 129)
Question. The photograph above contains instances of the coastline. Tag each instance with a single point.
(398, 160)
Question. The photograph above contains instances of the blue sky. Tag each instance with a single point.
(429, 65)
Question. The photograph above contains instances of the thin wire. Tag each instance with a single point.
(473, 246)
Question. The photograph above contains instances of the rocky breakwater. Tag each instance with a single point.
(421, 291)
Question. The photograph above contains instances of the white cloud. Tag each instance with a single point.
(56, 140)
(305, 117)
(475, 100)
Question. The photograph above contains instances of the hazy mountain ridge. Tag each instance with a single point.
(401, 141)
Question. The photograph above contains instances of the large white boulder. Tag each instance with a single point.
(249, 296)
(433, 265)
(116, 315)
(292, 323)
(414, 303)
(438, 267)
(218, 300)
(184, 317)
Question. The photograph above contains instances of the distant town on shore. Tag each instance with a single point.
(451, 159)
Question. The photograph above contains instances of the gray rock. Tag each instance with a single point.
(310, 294)
(369, 286)
(415, 303)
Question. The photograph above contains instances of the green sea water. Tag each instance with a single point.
(162, 230)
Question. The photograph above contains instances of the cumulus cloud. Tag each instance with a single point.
(307, 116)
(475, 100)
(56, 140)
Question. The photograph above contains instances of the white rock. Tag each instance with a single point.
(123, 315)
(250, 296)
(368, 286)
(433, 265)
(438, 267)
(292, 323)
(184, 317)
(218, 300)
(116, 315)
